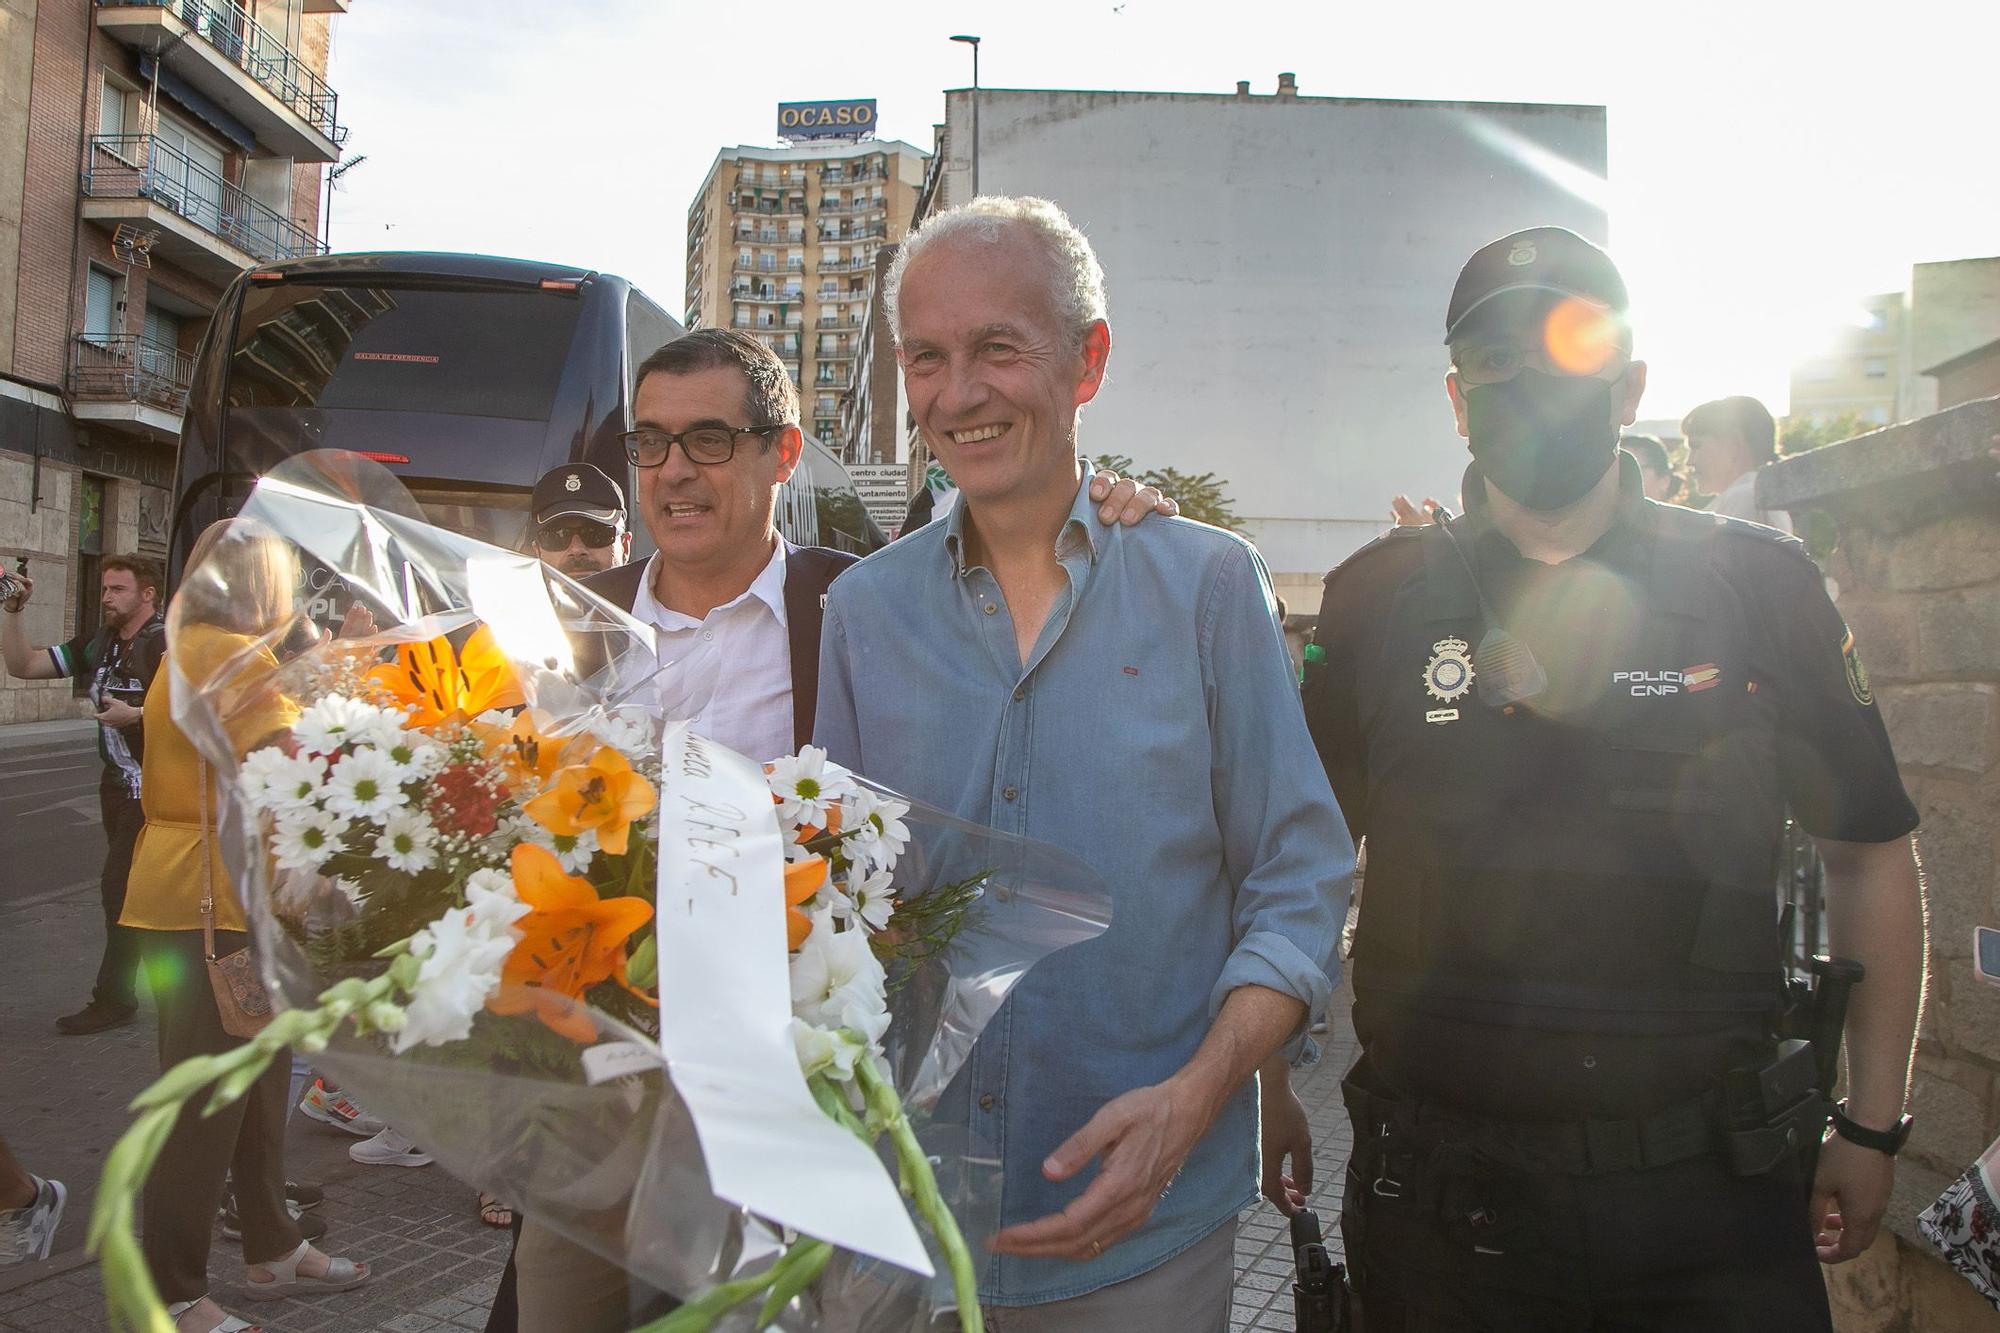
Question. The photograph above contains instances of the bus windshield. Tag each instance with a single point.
(472, 353)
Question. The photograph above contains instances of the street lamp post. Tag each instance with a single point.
(973, 42)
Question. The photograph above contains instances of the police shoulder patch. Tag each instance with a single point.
(1857, 674)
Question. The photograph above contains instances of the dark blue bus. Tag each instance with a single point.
(468, 376)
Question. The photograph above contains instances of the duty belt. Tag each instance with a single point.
(1590, 1147)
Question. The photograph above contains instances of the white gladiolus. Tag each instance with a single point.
(826, 1052)
(837, 982)
(463, 951)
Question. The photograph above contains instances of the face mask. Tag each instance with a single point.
(1544, 440)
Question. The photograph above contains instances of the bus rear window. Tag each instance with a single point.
(469, 353)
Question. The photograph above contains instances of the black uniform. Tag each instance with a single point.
(1569, 924)
(102, 667)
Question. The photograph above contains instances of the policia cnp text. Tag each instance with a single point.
(1569, 726)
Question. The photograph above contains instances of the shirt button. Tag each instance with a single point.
(991, 608)
(986, 1101)
(1009, 793)
(1020, 693)
(708, 634)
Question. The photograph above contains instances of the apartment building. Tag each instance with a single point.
(783, 242)
(148, 153)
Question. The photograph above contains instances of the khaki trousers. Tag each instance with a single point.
(1189, 1293)
(564, 1288)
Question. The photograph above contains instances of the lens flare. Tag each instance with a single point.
(1580, 336)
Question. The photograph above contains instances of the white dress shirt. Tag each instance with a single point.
(751, 710)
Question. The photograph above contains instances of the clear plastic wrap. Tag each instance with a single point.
(587, 1137)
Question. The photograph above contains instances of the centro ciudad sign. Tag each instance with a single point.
(826, 120)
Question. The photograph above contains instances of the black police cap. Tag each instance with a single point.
(577, 488)
(1540, 259)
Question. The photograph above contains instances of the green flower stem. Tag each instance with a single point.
(886, 1108)
(802, 1265)
(697, 1316)
(131, 1300)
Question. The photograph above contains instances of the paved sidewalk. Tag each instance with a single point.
(62, 1103)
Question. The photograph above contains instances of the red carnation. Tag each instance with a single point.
(463, 801)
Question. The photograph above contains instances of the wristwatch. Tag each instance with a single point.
(1888, 1141)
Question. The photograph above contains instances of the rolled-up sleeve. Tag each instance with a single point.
(1285, 846)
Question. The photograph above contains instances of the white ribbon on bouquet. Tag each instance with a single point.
(726, 1012)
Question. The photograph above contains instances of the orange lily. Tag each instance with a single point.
(802, 880)
(605, 794)
(570, 941)
(529, 756)
(435, 683)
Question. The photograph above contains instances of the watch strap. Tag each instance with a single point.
(1888, 1141)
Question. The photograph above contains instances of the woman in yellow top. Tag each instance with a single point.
(235, 598)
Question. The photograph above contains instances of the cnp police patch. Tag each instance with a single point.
(1448, 675)
(1857, 675)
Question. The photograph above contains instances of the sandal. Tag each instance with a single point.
(230, 1323)
(493, 1212)
(286, 1280)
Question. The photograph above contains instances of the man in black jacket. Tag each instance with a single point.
(112, 664)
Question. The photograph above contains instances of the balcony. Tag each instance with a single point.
(771, 296)
(230, 58)
(205, 224)
(130, 384)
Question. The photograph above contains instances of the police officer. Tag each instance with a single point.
(1569, 725)
(579, 516)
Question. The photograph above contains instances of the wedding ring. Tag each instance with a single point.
(1097, 1249)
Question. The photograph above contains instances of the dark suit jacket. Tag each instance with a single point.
(809, 571)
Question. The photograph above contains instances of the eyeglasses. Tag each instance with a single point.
(557, 536)
(707, 445)
(1496, 363)
(1576, 339)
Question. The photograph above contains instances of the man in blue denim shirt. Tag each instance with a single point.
(1124, 694)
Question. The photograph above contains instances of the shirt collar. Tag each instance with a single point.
(768, 587)
(1078, 536)
(1633, 513)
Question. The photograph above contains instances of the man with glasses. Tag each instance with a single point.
(579, 516)
(1569, 727)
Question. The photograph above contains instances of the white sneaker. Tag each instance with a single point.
(29, 1232)
(389, 1149)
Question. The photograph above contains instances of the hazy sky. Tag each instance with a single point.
(1771, 161)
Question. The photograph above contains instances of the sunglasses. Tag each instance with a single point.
(557, 536)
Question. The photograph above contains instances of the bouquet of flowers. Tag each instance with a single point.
(686, 1009)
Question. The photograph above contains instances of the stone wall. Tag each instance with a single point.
(1918, 566)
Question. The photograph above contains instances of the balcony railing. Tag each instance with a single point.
(141, 166)
(125, 368)
(253, 48)
(830, 206)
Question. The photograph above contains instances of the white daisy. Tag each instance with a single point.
(872, 900)
(333, 722)
(574, 853)
(806, 784)
(877, 832)
(274, 780)
(408, 843)
(306, 837)
(366, 784)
